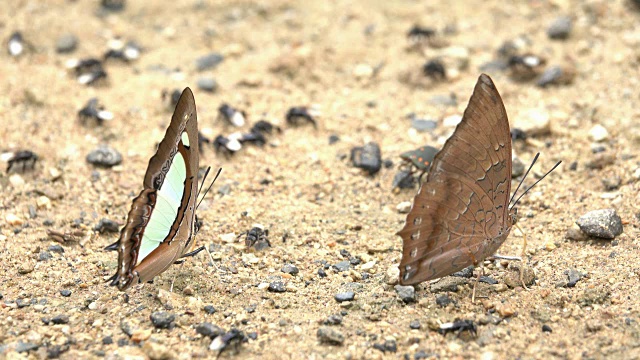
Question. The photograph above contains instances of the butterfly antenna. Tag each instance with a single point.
(204, 178)
(535, 158)
(210, 185)
(534, 184)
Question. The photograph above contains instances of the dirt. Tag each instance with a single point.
(352, 60)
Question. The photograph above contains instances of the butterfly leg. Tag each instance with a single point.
(475, 284)
(175, 276)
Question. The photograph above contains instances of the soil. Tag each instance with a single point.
(355, 63)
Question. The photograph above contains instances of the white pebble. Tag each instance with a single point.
(16, 181)
(598, 133)
(404, 207)
(451, 120)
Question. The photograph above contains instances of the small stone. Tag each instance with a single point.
(56, 249)
(415, 324)
(404, 207)
(368, 266)
(594, 325)
(598, 133)
(24, 347)
(66, 43)
(574, 233)
(534, 122)
(505, 310)
(328, 335)
(13, 220)
(447, 284)
(207, 84)
(92, 306)
(162, 319)
(601, 160)
(22, 303)
(277, 287)
(443, 300)
(517, 167)
(208, 61)
(452, 120)
(335, 319)
(367, 157)
(345, 296)
(574, 276)
(611, 183)
(157, 351)
(210, 330)
(546, 328)
(605, 223)
(393, 274)
(44, 256)
(107, 340)
(65, 292)
(60, 319)
(43, 202)
(141, 335)
(290, 269)
(209, 309)
(104, 156)
(107, 226)
(404, 179)
(406, 293)
(560, 28)
(322, 273)
(16, 181)
(333, 139)
(555, 75)
(342, 266)
(423, 125)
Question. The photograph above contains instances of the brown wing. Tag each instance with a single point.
(460, 214)
(135, 264)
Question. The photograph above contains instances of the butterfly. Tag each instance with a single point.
(462, 213)
(162, 223)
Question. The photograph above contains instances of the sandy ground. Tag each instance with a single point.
(354, 61)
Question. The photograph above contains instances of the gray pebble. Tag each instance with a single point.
(290, 269)
(406, 293)
(574, 276)
(550, 76)
(65, 292)
(107, 226)
(44, 256)
(60, 319)
(207, 84)
(208, 61)
(209, 309)
(404, 180)
(66, 43)
(345, 296)
(414, 324)
(104, 156)
(277, 286)
(162, 319)
(335, 319)
(604, 223)
(443, 300)
(342, 266)
(56, 249)
(517, 168)
(328, 335)
(25, 346)
(367, 157)
(560, 28)
(22, 303)
(423, 125)
(210, 330)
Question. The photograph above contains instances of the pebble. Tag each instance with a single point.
(415, 324)
(604, 223)
(322, 273)
(107, 226)
(451, 120)
(368, 266)
(43, 202)
(65, 292)
(342, 266)
(208, 329)
(598, 133)
(44, 256)
(56, 249)
(601, 160)
(335, 319)
(447, 284)
(290, 269)
(560, 28)
(404, 180)
(209, 61)
(107, 340)
(363, 71)
(25, 347)
(104, 156)
(66, 43)
(404, 207)
(13, 220)
(505, 310)
(534, 122)
(406, 293)
(444, 300)
(574, 276)
(277, 287)
(207, 84)
(546, 328)
(345, 296)
(157, 351)
(333, 139)
(367, 157)
(209, 309)
(517, 167)
(423, 125)
(60, 319)
(328, 335)
(162, 319)
(552, 75)
(393, 274)
(22, 303)
(16, 181)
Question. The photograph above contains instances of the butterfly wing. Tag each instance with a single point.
(460, 214)
(160, 223)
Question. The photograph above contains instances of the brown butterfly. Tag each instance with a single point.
(161, 223)
(461, 214)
